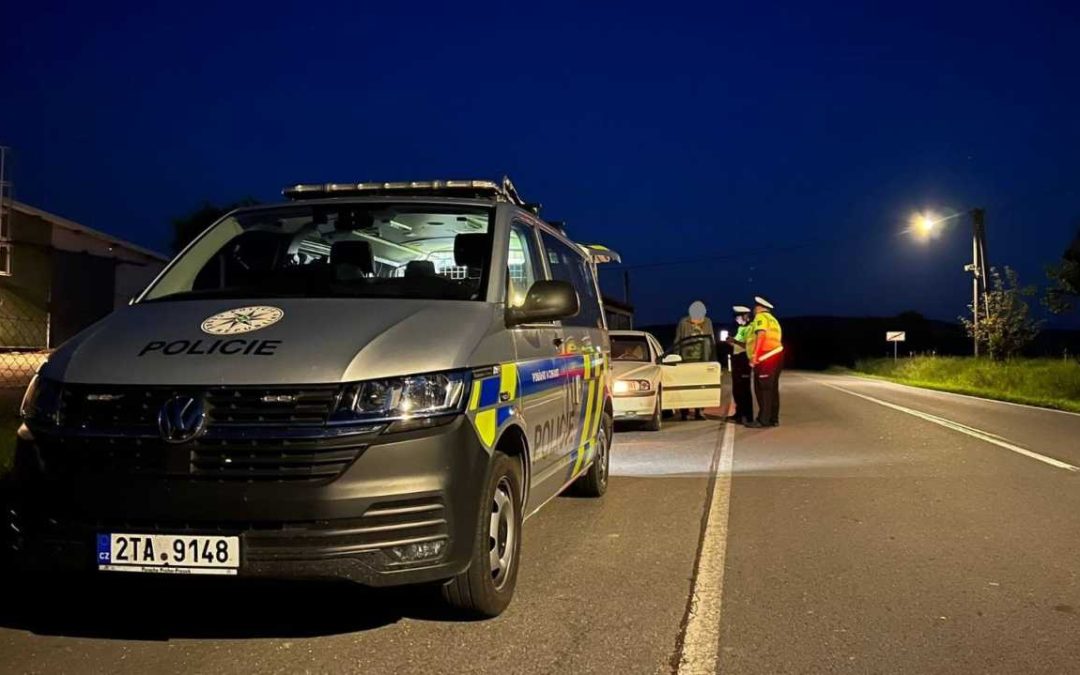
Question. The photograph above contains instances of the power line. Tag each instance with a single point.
(1065, 186)
(729, 255)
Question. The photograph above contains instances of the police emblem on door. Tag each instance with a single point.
(242, 320)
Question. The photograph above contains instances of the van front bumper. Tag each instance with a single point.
(404, 488)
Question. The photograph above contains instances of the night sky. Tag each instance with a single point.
(776, 150)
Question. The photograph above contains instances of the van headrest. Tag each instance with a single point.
(259, 250)
(420, 268)
(471, 249)
(356, 254)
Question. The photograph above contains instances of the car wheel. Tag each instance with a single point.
(487, 586)
(657, 419)
(593, 483)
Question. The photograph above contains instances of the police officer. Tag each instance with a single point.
(767, 360)
(740, 368)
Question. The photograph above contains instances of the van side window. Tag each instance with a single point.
(567, 264)
(522, 264)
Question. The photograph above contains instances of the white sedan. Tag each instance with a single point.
(648, 381)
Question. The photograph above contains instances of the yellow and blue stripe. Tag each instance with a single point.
(593, 384)
(496, 397)
(494, 400)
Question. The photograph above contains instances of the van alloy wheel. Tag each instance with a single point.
(593, 483)
(502, 533)
(486, 586)
(603, 456)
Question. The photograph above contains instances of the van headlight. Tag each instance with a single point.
(41, 402)
(414, 397)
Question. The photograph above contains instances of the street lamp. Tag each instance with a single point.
(926, 225)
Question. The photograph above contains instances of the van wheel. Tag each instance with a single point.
(593, 483)
(657, 419)
(486, 587)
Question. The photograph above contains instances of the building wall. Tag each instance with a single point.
(620, 315)
(82, 293)
(619, 320)
(133, 268)
(132, 279)
(66, 239)
(64, 278)
(24, 295)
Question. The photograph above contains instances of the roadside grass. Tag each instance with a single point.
(9, 424)
(1049, 383)
(8, 428)
(7, 448)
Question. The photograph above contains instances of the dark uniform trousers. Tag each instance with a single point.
(741, 385)
(767, 388)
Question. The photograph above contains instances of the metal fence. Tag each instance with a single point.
(17, 367)
(24, 330)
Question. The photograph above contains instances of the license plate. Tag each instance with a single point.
(168, 553)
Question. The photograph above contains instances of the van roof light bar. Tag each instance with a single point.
(485, 189)
(601, 254)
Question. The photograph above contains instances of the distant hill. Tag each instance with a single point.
(817, 342)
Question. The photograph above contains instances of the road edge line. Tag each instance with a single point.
(700, 644)
(1029, 406)
(979, 434)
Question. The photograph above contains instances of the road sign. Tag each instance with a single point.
(895, 337)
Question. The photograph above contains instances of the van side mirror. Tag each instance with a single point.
(546, 300)
(671, 359)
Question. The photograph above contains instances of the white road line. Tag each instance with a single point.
(701, 641)
(964, 429)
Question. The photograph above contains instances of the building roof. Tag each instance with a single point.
(611, 302)
(60, 221)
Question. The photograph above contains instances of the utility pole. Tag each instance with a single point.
(5, 212)
(978, 272)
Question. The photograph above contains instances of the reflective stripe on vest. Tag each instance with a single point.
(771, 353)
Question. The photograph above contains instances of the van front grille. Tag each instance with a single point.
(308, 406)
(273, 459)
(81, 455)
(135, 409)
(265, 459)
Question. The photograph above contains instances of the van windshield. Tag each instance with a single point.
(365, 250)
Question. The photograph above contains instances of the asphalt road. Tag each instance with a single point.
(879, 529)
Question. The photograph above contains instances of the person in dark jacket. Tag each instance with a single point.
(741, 373)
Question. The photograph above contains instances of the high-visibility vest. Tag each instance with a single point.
(767, 336)
(745, 336)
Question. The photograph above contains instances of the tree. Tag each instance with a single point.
(191, 225)
(1005, 325)
(1063, 295)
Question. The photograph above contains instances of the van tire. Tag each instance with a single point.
(594, 482)
(657, 420)
(482, 591)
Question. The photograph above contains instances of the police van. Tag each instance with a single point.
(373, 381)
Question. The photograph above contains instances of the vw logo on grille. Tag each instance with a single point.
(181, 419)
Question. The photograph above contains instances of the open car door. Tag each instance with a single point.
(691, 374)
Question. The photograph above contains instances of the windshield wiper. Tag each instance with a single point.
(233, 293)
